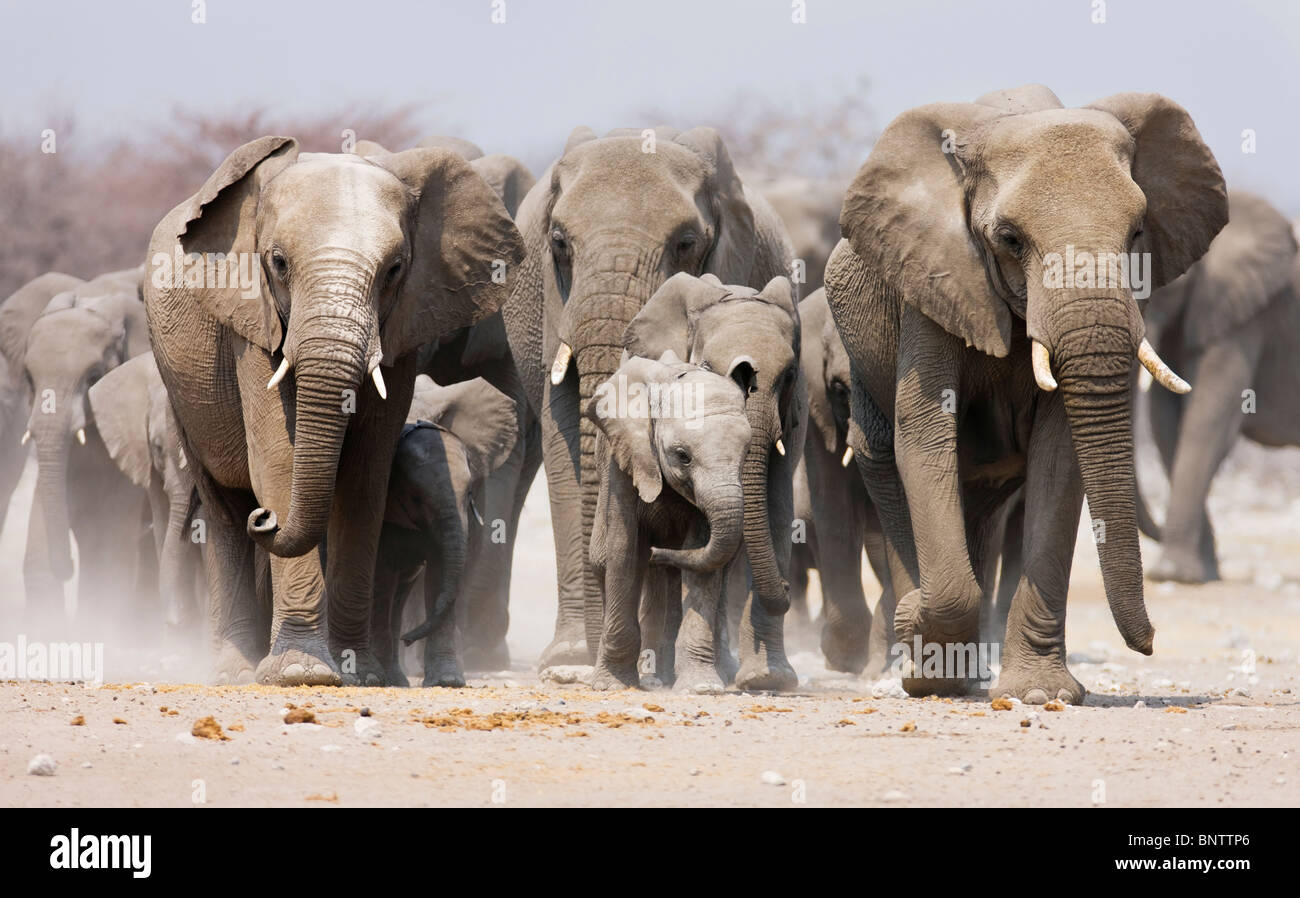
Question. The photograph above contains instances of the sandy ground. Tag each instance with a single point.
(1211, 719)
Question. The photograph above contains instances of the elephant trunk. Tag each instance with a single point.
(724, 508)
(53, 442)
(327, 377)
(770, 586)
(1094, 361)
(175, 573)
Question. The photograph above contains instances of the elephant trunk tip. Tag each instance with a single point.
(1143, 643)
(264, 529)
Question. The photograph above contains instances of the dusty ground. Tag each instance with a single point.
(1211, 719)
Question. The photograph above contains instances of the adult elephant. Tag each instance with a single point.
(82, 335)
(840, 520)
(753, 337)
(362, 261)
(17, 313)
(610, 221)
(1230, 324)
(979, 367)
(139, 429)
(482, 350)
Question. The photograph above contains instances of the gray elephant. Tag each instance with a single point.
(982, 366)
(83, 334)
(136, 423)
(17, 313)
(455, 439)
(810, 209)
(753, 337)
(610, 221)
(358, 262)
(483, 351)
(832, 500)
(1229, 324)
(674, 438)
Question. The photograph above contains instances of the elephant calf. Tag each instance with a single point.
(455, 438)
(667, 422)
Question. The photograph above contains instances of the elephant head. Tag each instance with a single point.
(982, 213)
(360, 261)
(82, 335)
(825, 364)
(752, 337)
(665, 421)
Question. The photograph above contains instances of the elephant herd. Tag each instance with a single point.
(335, 377)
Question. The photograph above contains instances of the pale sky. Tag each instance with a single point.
(521, 86)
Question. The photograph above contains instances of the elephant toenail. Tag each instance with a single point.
(1035, 697)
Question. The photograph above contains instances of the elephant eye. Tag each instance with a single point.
(685, 243)
(559, 244)
(682, 457)
(394, 272)
(1008, 238)
(279, 264)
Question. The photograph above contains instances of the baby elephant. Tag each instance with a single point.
(667, 422)
(454, 439)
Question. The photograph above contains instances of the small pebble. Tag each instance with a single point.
(42, 765)
(771, 778)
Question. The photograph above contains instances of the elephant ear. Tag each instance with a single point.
(481, 416)
(465, 251)
(663, 324)
(814, 312)
(577, 137)
(630, 436)
(732, 256)
(465, 149)
(119, 402)
(509, 178)
(524, 314)
(905, 216)
(1247, 264)
(222, 218)
(1187, 202)
(1017, 100)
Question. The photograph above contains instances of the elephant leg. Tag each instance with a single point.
(443, 648)
(625, 572)
(1211, 422)
(1033, 652)
(13, 456)
(560, 454)
(663, 590)
(299, 654)
(946, 609)
(392, 585)
(882, 621)
(699, 663)
(1012, 563)
(236, 617)
(838, 505)
(763, 663)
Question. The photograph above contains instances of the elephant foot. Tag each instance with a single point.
(1038, 682)
(489, 657)
(443, 671)
(233, 666)
(698, 679)
(361, 667)
(845, 648)
(1183, 567)
(766, 673)
(564, 651)
(943, 656)
(304, 661)
(395, 676)
(608, 677)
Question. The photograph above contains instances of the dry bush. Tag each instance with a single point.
(87, 209)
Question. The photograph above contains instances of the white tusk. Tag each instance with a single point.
(27, 435)
(379, 383)
(81, 436)
(562, 357)
(181, 460)
(1160, 372)
(1042, 362)
(473, 507)
(279, 374)
(848, 457)
(780, 447)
